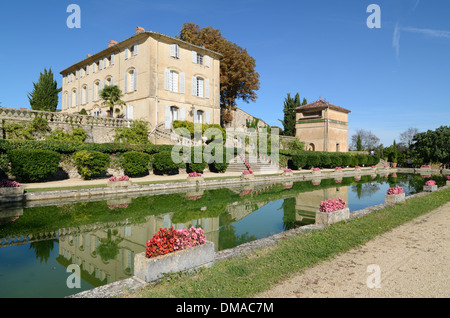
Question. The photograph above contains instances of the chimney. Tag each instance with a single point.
(111, 43)
(89, 55)
(139, 30)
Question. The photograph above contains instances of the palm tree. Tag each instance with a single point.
(111, 96)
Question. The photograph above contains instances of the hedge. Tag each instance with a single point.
(32, 165)
(162, 163)
(65, 147)
(135, 163)
(309, 159)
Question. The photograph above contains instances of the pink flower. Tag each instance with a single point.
(338, 168)
(357, 167)
(287, 170)
(430, 183)
(395, 190)
(5, 183)
(316, 169)
(332, 205)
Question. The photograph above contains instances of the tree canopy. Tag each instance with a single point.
(368, 140)
(433, 145)
(238, 77)
(290, 104)
(45, 93)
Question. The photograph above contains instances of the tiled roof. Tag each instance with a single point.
(320, 104)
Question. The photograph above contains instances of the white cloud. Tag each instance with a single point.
(429, 32)
(396, 39)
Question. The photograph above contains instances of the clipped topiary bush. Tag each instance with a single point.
(362, 159)
(346, 159)
(91, 163)
(299, 160)
(32, 165)
(335, 160)
(197, 163)
(163, 163)
(135, 163)
(324, 160)
(312, 160)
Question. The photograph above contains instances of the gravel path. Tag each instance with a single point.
(413, 261)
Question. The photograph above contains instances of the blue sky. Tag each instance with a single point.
(391, 78)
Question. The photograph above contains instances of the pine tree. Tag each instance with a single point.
(45, 93)
(359, 146)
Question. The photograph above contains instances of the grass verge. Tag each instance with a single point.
(251, 274)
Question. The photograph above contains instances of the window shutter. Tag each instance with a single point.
(194, 57)
(93, 67)
(167, 79)
(87, 95)
(112, 81)
(100, 64)
(207, 117)
(112, 59)
(207, 88)
(182, 81)
(105, 62)
(87, 69)
(167, 116)
(70, 100)
(93, 92)
(207, 62)
(182, 114)
(135, 49)
(126, 53)
(195, 116)
(76, 98)
(126, 83)
(173, 50)
(194, 86)
(134, 80)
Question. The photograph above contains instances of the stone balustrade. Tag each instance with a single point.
(63, 118)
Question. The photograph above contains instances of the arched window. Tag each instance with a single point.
(74, 99)
(84, 95)
(175, 113)
(311, 147)
(130, 80)
(97, 90)
(109, 81)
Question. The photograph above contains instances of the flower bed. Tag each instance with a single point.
(288, 173)
(10, 191)
(195, 176)
(171, 251)
(394, 195)
(357, 168)
(332, 211)
(123, 181)
(425, 167)
(316, 171)
(430, 186)
(247, 174)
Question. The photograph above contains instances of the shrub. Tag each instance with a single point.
(135, 163)
(163, 163)
(77, 135)
(346, 159)
(335, 160)
(197, 163)
(362, 159)
(136, 134)
(31, 165)
(90, 163)
(299, 160)
(324, 160)
(312, 159)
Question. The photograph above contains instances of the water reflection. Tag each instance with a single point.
(102, 237)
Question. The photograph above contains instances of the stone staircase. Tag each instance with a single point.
(257, 165)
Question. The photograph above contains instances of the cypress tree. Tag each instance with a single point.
(290, 104)
(45, 92)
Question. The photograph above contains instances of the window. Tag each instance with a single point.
(311, 147)
(174, 112)
(198, 117)
(197, 86)
(200, 59)
(74, 98)
(109, 81)
(175, 51)
(173, 81)
(131, 81)
(96, 92)
(84, 93)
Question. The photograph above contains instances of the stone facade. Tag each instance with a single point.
(162, 79)
(323, 126)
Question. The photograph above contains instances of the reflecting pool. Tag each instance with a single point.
(38, 241)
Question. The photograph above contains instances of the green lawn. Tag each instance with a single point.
(248, 275)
